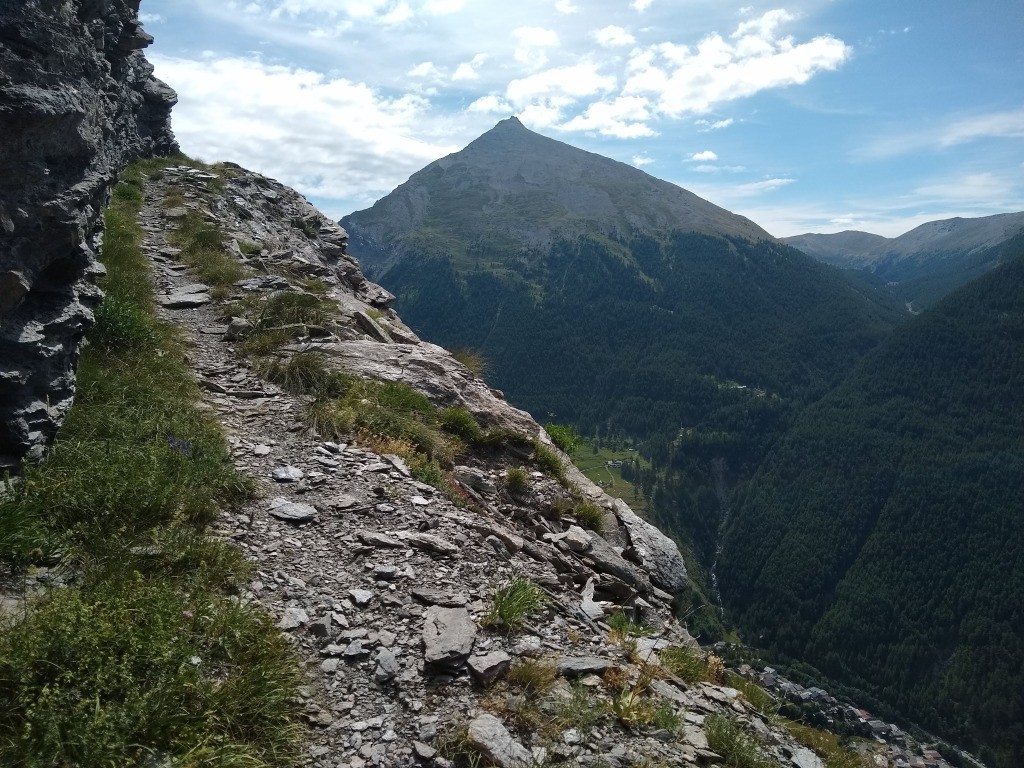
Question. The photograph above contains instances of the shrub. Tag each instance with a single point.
(512, 602)
(564, 436)
(460, 422)
(684, 662)
(620, 623)
(548, 461)
(516, 480)
(589, 515)
(740, 750)
(473, 359)
(305, 373)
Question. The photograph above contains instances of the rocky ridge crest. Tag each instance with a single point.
(385, 585)
(78, 101)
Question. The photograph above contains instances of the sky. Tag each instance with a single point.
(805, 116)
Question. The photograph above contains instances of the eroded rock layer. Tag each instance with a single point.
(78, 101)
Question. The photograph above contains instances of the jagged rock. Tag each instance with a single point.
(293, 617)
(387, 666)
(475, 479)
(487, 734)
(587, 604)
(574, 666)
(658, 553)
(488, 668)
(287, 474)
(609, 561)
(448, 637)
(361, 597)
(429, 542)
(695, 737)
(374, 539)
(69, 122)
(804, 758)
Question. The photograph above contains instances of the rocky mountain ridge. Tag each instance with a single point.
(383, 584)
(78, 101)
(514, 190)
(926, 263)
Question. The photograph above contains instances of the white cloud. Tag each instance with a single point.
(613, 36)
(467, 69)
(297, 125)
(491, 104)
(757, 187)
(706, 156)
(641, 160)
(621, 118)
(566, 6)
(150, 18)
(641, 5)
(686, 80)
(704, 126)
(443, 7)
(992, 125)
(971, 187)
(574, 82)
(425, 69)
(531, 45)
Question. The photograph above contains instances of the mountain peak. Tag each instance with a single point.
(529, 190)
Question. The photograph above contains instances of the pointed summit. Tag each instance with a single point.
(524, 190)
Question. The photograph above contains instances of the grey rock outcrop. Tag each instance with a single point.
(78, 101)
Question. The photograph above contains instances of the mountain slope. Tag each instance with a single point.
(882, 538)
(513, 189)
(924, 264)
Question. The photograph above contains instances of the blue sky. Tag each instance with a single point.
(806, 116)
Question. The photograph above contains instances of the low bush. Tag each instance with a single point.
(517, 482)
(740, 749)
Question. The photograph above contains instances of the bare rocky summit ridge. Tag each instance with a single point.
(384, 585)
(514, 190)
(78, 101)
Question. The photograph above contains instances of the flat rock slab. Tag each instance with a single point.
(375, 539)
(185, 300)
(430, 596)
(804, 758)
(448, 637)
(291, 511)
(429, 542)
(487, 734)
(574, 666)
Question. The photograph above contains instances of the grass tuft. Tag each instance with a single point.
(684, 662)
(740, 750)
(534, 676)
(589, 515)
(512, 602)
(473, 359)
(517, 482)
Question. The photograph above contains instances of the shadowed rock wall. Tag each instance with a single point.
(78, 102)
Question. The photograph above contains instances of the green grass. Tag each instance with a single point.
(517, 482)
(473, 359)
(826, 745)
(595, 466)
(589, 514)
(739, 748)
(513, 602)
(564, 436)
(147, 655)
(203, 248)
(684, 662)
(758, 697)
(620, 623)
(534, 676)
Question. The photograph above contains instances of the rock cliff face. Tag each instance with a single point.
(78, 101)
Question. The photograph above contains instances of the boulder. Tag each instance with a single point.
(488, 735)
(448, 637)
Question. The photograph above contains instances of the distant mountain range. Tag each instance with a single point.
(924, 264)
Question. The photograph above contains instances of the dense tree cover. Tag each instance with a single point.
(882, 538)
